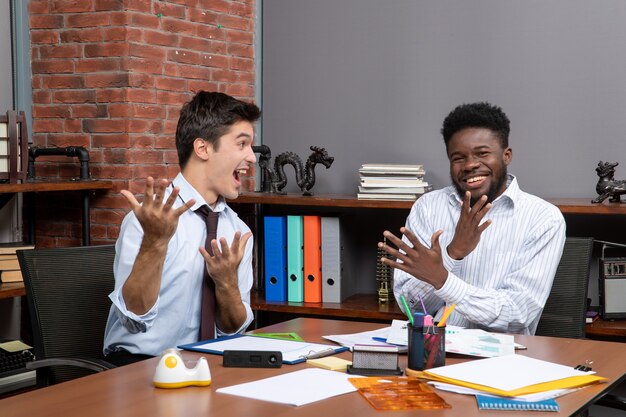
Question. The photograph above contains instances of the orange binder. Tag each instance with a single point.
(312, 259)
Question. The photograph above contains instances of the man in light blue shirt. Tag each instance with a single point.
(161, 258)
(481, 244)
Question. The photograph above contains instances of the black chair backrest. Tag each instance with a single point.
(67, 291)
(564, 312)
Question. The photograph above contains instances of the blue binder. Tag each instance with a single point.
(275, 240)
(295, 259)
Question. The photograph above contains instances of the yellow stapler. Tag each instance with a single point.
(171, 372)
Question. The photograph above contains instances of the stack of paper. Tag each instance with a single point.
(391, 182)
(511, 376)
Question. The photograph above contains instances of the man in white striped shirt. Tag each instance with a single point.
(482, 244)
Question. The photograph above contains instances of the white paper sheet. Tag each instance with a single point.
(295, 388)
(507, 372)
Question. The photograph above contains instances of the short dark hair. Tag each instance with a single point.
(209, 115)
(481, 115)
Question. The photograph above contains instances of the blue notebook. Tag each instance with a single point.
(486, 402)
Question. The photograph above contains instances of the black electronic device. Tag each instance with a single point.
(252, 359)
(613, 281)
(14, 361)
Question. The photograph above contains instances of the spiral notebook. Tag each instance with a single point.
(487, 402)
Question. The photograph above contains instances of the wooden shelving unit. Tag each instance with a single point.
(366, 305)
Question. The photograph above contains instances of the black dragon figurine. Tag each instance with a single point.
(607, 186)
(275, 180)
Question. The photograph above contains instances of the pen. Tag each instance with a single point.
(320, 354)
(422, 302)
(407, 310)
(446, 313)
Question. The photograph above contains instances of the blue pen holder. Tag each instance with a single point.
(416, 347)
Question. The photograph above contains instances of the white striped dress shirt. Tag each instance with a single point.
(503, 284)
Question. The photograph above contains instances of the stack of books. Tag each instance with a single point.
(391, 182)
(9, 266)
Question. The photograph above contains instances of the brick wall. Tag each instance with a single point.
(111, 75)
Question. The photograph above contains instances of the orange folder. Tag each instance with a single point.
(312, 259)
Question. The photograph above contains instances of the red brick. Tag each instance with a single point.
(146, 51)
(136, 95)
(87, 20)
(51, 111)
(178, 26)
(240, 90)
(188, 71)
(111, 171)
(237, 36)
(243, 10)
(186, 57)
(171, 84)
(245, 51)
(168, 97)
(242, 64)
(170, 157)
(145, 157)
(60, 51)
(153, 37)
(106, 5)
(74, 96)
(196, 44)
(63, 81)
(98, 65)
(210, 32)
(89, 111)
(110, 49)
(144, 171)
(119, 18)
(38, 7)
(72, 6)
(81, 35)
(47, 125)
(139, 5)
(52, 67)
(114, 34)
(73, 125)
(147, 66)
(115, 156)
(143, 20)
(63, 140)
(169, 10)
(42, 97)
(211, 60)
(46, 22)
(111, 95)
(200, 85)
(203, 16)
(144, 126)
(146, 111)
(44, 37)
(111, 141)
(143, 142)
(106, 80)
(104, 125)
(235, 22)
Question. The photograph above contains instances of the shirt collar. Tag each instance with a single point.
(509, 197)
(187, 192)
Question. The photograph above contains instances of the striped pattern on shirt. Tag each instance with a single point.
(503, 284)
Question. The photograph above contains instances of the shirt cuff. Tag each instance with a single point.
(132, 322)
(454, 290)
(449, 263)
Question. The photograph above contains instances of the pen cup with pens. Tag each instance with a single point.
(427, 345)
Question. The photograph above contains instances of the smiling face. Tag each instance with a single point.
(478, 163)
(226, 161)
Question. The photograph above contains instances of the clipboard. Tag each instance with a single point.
(293, 351)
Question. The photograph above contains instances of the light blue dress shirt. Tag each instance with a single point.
(174, 319)
(503, 284)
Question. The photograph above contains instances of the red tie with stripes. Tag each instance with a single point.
(207, 317)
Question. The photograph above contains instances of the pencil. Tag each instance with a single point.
(446, 313)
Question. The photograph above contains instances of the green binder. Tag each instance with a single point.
(295, 257)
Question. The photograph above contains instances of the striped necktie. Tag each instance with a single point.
(207, 317)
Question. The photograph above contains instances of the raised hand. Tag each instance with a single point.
(158, 219)
(419, 261)
(469, 227)
(222, 266)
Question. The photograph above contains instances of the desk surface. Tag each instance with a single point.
(128, 390)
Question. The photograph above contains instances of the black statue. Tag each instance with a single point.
(607, 186)
(305, 176)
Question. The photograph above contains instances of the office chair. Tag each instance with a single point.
(67, 291)
(564, 312)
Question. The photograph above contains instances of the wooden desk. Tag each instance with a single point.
(8, 190)
(610, 330)
(128, 390)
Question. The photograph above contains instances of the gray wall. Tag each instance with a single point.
(372, 80)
